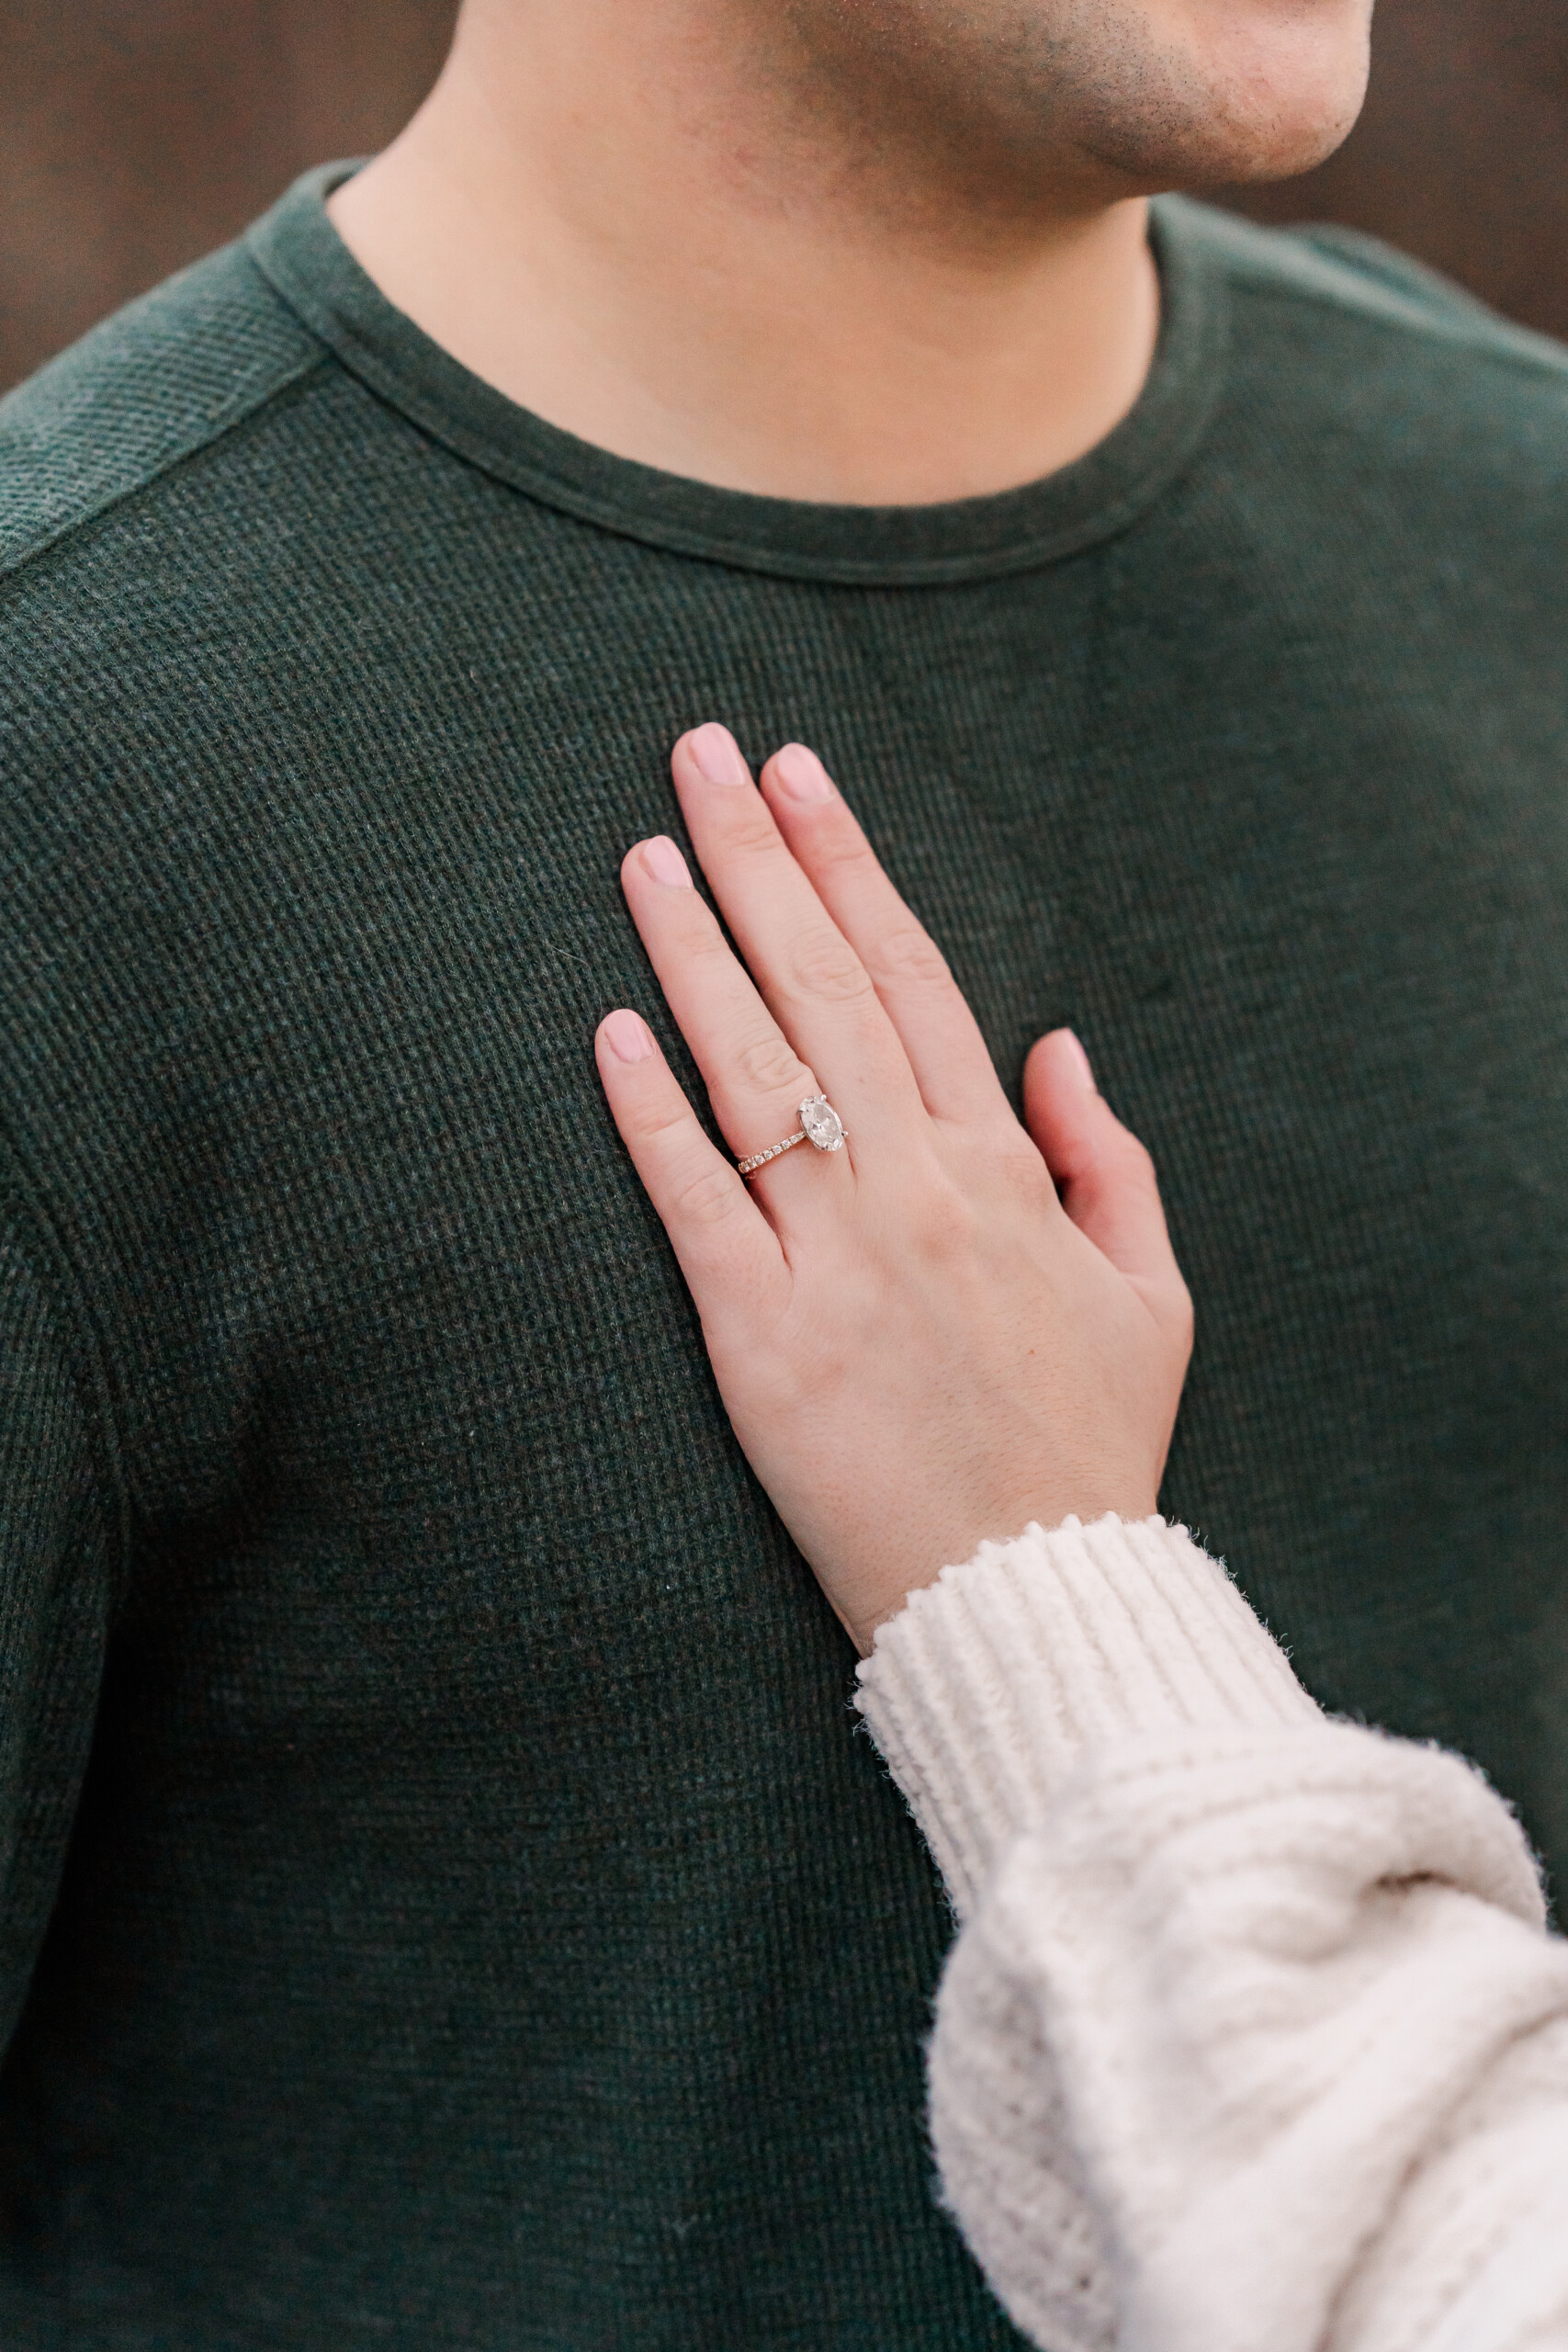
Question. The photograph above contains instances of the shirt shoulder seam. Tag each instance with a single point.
(1487, 338)
(1309, 266)
(216, 430)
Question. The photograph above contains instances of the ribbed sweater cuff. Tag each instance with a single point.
(986, 1688)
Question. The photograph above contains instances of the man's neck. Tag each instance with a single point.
(656, 237)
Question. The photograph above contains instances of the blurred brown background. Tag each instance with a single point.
(134, 134)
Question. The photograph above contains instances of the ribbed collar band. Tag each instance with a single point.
(304, 259)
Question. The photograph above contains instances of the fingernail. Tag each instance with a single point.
(717, 754)
(802, 774)
(1080, 1061)
(665, 862)
(627, 1037)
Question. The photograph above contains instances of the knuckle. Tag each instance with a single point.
(707, 1198)
(749, 829)
(767, 1064)
(946, 1225)
(824, 966)
(1022, 1173)
(704, 943)
(840, 847)
(909, 956)
(662, 1120)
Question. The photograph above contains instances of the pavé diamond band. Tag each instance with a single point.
(819, 1124)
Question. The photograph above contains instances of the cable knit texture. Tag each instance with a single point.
(1253, 2041)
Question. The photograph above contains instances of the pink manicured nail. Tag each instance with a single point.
(717, 754)
(627, 1037)
(1080, 1060)
(802, 774)
(665, 862)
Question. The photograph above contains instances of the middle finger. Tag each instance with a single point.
(809, 976)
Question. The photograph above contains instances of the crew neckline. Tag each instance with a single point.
(307, 262)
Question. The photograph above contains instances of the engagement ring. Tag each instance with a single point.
(819, 1124)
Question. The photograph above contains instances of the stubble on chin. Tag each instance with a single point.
(1110, 98)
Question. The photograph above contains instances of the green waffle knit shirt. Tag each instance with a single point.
(445, 1899)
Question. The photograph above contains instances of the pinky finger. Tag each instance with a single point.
(726, 1249)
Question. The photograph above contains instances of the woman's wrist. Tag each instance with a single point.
(985, 1689)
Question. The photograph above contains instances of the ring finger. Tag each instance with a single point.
(756, 1080)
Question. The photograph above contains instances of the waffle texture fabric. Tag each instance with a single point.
(1253, 2039)
(447, 1900)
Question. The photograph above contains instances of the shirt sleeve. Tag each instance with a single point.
(61, 1541)
(1253, 2039)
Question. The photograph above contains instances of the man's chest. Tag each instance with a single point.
(1309, 916)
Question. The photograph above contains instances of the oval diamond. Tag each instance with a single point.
(822, 1124)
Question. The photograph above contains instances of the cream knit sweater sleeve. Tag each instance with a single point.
(1253, 2039)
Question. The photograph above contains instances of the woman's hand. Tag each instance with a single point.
(918, 1342)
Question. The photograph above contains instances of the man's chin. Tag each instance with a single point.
(1171, 146)
(1266, 102)
(1145, 93)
